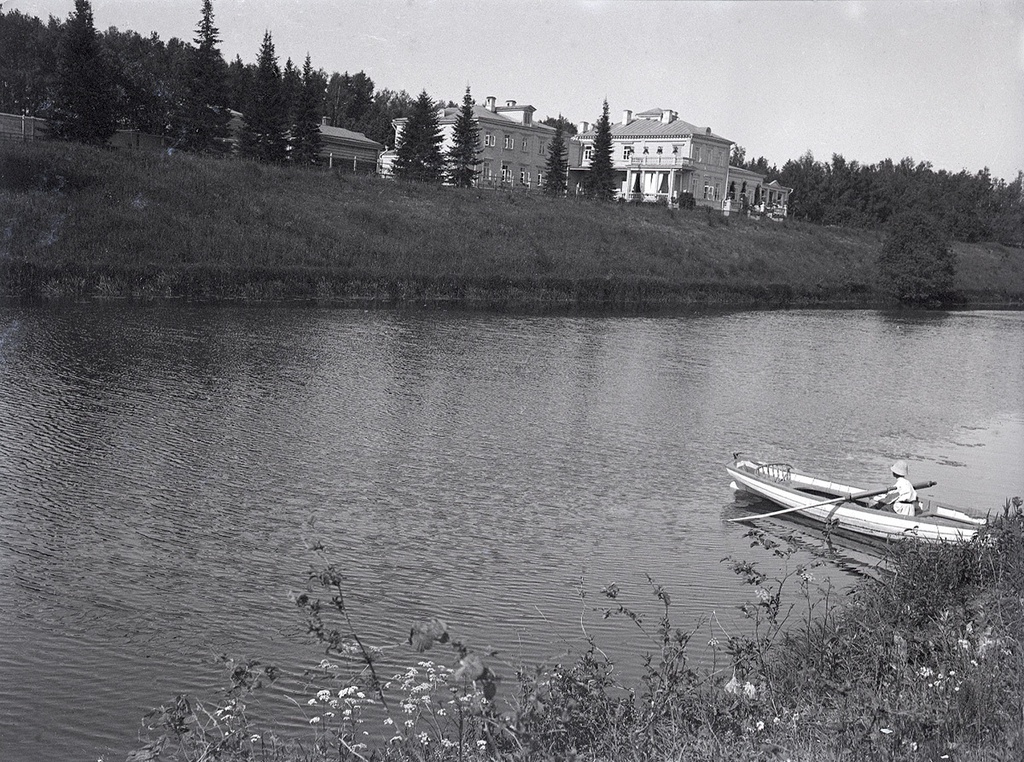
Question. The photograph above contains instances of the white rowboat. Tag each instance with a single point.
(847, 507)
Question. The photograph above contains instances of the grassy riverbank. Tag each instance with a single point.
(82, 222)
(924, 663)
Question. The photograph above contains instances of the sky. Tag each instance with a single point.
(940, 81)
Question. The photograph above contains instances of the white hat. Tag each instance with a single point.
(899, 468)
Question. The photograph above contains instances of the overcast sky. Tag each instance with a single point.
(936, 81)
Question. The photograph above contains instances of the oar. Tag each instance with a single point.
(833, 501)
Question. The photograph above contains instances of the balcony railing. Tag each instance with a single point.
(662, 160)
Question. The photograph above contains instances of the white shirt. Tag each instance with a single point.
(906, 496)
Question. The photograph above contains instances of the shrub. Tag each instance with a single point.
(916, 265)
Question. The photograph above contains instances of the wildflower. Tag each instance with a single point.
(314, 720)
(733, 686)
(887, 731)
(388, 721)
(393, 739)
(323, 696)
(311, 702)
(763, 595)
(925, 672)
(424, 739)
(254, 738)
(481, 744)
(360, 695)
(760, 724)
(448, 743)
(713, 643)
(409, 723)
(965, 644)
(750, 691)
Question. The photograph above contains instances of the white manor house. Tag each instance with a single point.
(661, 158)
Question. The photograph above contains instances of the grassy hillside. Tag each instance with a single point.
(77, 221)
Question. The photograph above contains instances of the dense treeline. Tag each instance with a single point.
(151, 84)
(971, 208)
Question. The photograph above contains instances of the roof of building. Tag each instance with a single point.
(341, 135)
(486, 116)
(650, 124)
(746, 173)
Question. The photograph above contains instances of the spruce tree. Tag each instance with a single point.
(84, 102)
(464, 155)
(204, 116)
(601, 182)
(419, 153)
(264, 128)
(557, 164)
(291, 89)
(305, 137)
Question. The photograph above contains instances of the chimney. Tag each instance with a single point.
(491, 101)
(510, 104)
(627, 116)
(583, 127)
(668, 116)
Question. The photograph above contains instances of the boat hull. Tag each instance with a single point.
(781, 485)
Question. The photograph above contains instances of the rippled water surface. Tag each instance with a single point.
(164, 469)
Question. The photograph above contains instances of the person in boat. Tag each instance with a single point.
(902, 497)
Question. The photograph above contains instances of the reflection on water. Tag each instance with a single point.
(164, 470)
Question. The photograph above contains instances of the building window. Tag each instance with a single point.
(659, 151)
(588, 152)
(510, 142)
(542, 147)
(627, 152)
(540, 178)
(488, 139)
(506, 172)
(488, 170)
(525, 144)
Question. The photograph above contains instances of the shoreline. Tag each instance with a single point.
(82, 222)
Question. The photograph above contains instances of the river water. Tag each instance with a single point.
(164, 470)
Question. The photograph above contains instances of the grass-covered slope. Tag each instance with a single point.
(81, 221)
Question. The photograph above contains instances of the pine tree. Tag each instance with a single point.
(464, 155)
(601, 182)
(305, 138)
(419, 153)
(264, 128)
(84, 102)
(291, 88)
(557, 164)
(203, 122)
(240, 77)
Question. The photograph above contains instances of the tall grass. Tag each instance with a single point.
(925, 662)
(88, 222)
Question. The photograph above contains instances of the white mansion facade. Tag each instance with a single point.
(659, 157)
